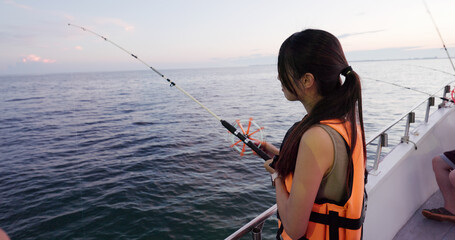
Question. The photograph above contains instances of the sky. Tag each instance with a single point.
(35, 37)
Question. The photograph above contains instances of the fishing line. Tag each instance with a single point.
(439, 33)
(434, 69)
(243, 135)
(412, 89)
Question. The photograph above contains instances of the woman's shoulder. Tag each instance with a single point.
(316, 136)
(316, 147)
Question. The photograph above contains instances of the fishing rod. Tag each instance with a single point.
(443, 43)
(448, 55)
(439, 33)
(412, 89)
(243, 135)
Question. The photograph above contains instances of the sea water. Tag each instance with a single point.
(123, 155)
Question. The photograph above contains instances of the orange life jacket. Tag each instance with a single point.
(332, 221)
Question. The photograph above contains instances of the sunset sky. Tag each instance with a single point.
(35, 37)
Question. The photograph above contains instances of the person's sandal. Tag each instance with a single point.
(439, 214)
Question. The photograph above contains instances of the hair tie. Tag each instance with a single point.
(346, 71)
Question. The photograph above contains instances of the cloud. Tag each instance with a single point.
(247, 60)
(13, 3)
(35, 58)
(67, 16)
(399, 53)
(346, 35)
(117, 22)
(79, 48)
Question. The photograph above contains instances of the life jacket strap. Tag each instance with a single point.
(280, 231)
(335, 222)
(333, 219)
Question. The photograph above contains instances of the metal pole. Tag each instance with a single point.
(430, 103)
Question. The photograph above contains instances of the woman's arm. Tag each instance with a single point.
(315, 157)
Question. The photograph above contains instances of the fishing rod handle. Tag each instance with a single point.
(245, 140)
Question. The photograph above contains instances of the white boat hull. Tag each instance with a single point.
(405, 179)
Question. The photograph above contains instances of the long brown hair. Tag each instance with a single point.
(319, 53)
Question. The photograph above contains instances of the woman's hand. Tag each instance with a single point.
(267, 166)
(268, 148)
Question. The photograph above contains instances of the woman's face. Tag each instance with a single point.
(288, 94)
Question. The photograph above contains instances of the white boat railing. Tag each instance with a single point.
(255, 225)
(382, 134)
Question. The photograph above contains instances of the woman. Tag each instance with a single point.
(319, 173)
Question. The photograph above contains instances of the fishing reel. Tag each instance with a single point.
(249, 129)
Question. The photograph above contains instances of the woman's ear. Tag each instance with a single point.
(307, 80)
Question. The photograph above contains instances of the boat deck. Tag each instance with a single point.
(419, 227)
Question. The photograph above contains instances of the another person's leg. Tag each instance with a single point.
(452, 178)
(445, 177)
(442, 171)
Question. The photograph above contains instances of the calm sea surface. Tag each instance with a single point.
(122, 155)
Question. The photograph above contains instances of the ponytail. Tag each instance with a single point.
(353, 102)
